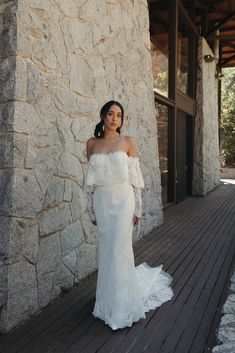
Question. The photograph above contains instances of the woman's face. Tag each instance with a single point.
(113, 118)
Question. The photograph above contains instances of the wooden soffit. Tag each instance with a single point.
(212, 19)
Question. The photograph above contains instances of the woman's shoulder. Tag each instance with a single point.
(131, 145)
(91, 141)
(128, 139)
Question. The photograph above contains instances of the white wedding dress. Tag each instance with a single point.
(124, 292)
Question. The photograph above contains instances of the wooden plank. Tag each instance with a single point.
(196, 333)
(165, 313)
(193, 252)
(188, 322)
(119, 347)
(47, 321)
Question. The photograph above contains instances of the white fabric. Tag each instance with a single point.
(90, 205)
(123, 168)
(138, 202)
(124, 292)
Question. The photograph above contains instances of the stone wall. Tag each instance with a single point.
(206, 141)
(61, 60)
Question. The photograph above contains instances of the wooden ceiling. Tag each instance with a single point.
(212, 19)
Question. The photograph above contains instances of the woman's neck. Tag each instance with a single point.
(111, 135)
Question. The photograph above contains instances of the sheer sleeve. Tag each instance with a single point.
(135, 175)
(138, 202)
(90, 207)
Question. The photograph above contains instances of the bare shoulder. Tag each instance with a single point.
(90, 145)
(132, 148)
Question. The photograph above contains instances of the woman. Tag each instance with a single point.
(113, 183)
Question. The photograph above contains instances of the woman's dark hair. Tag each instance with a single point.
(99, 131)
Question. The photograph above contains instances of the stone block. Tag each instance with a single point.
(64, 279)
(25, 44)
(22, 298)
(78, 203)
(70, 261)
(71, 237)
(3, 296)
(68, 191)
(69, 167)
(90, 230)
(54, 219)
(31, 154)
(7, 78)
(49, 254)
(80, 151)
(87, 261)
(46, 165)
(55, 192)
(44, 57)
(45, 286)
(77, 36)
(46, 134)
(81, 76)
(6, 179)
(35, 82)
(82, 129)
(6, 116)
(30, 243)
(46, 107)
(18, 238)
(7, 41)
(11, 239)
(8, 10)
(12, 150)
(26, 119)
(22, 195)
(67, 8)
(66, 101)
(66, 136)
(20, 88)
(6, 150)
(92, 10)
(19, 150)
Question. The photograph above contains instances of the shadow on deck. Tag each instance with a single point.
(196, 244)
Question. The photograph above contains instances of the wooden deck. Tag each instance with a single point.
(196, 244)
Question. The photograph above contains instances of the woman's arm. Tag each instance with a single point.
(89, 147)
(90, 192)
(132, 148)
(132, 152)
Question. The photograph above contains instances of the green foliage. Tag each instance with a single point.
(228, 116)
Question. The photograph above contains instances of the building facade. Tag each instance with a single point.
(60, 61)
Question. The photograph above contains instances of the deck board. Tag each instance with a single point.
(196, 245)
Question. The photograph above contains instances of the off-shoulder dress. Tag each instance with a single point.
(124, 292)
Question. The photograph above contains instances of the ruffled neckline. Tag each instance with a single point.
(112, 153)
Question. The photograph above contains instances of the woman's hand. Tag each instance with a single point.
(135, 220)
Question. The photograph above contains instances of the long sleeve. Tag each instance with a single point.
(90, 207)
(138, 202)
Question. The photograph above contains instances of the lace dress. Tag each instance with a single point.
(124, 292)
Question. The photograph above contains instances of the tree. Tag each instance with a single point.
(228, 117)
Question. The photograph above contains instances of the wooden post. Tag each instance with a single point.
(173, 39)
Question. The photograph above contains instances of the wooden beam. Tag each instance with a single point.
(225, 37)
(226, 61)
(227, 29)
(220, 24)
(187, 18)
(172, 111)
(204, 22)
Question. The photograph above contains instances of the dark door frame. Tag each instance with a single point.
(177, 99)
